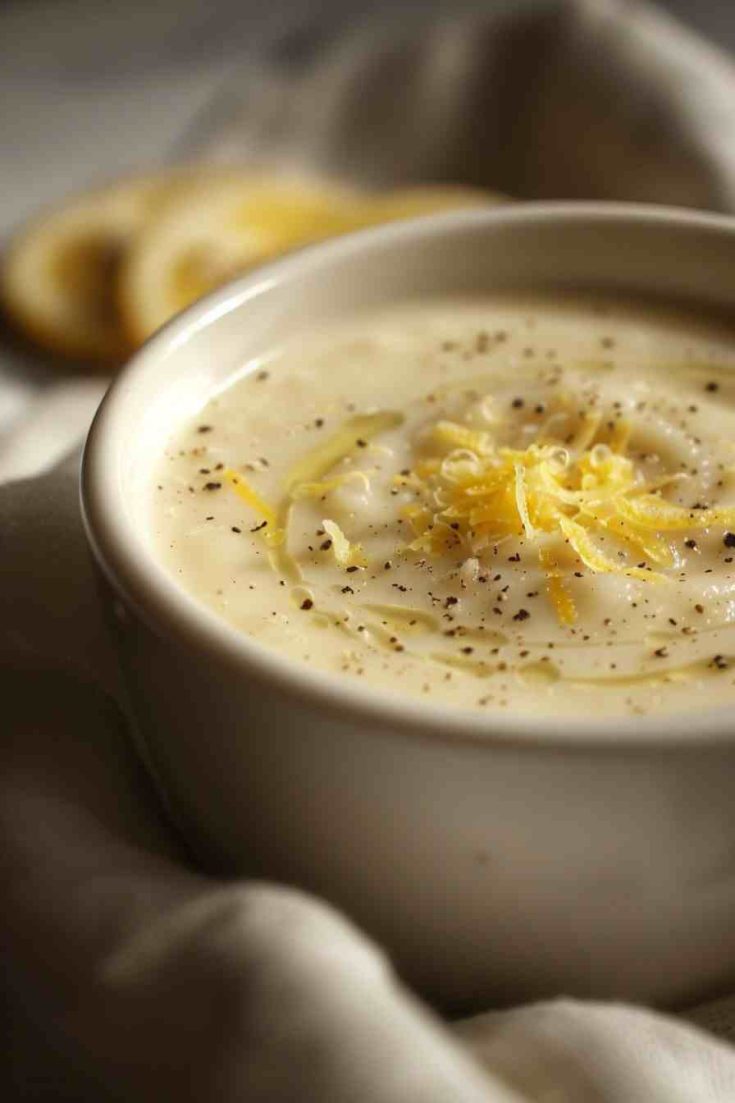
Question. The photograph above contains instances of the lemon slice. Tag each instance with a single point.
(58, 279)
(219, 229)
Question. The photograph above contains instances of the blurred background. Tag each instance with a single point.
(91, 87)
(515, 99)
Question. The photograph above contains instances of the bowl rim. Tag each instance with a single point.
(145, 585)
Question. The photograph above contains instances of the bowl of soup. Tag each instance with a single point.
(420, 551)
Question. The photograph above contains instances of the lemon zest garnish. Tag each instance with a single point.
(521, 503)
(620, 435)
(424, 468)
(245, 491)
(317, 489)
(346, 553)
(305, 480)
(437, 538)
(411, 481)
(589, 424)
(472, 490)
(640, 540)
(652, 512)
(657, 484)
(559, 595)
(418, 517)
(461, 436)
(323, 458)
(281, 559)
(594, 558)
(274, 534)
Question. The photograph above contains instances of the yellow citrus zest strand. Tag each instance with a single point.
(471, 491)
(274, 534)
(346, 553)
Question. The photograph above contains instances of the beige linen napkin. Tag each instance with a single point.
(597, 98)
(129, 972)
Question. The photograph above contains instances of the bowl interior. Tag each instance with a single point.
(607, 248)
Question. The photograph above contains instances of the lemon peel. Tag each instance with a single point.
(250, 496)
(589, 424)
(323, 486)
(363, 427)
(521, 502)
(305, 480)
(652, 512)
(587, 492)
(620, 435)
(346, 553)
(558, 593)
(461, 436)
(596, 560)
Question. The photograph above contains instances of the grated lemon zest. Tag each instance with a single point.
(470, 489)
(559, 595)
(346, 553)
(589, 424)
(412, 481)
(592, 557)
(245, 491)
(317, 489)
(274, 534)
(521, 503)
(436, 539)
(652, 512)
(645, 541)
(620, 435)
(424, 468)
(418, 517)
(323, 458)
(461, 436)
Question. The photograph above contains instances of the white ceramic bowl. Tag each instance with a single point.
(496, 858)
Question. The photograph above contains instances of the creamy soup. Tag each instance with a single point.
(506, 504)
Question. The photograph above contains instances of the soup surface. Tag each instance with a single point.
(503, 504)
